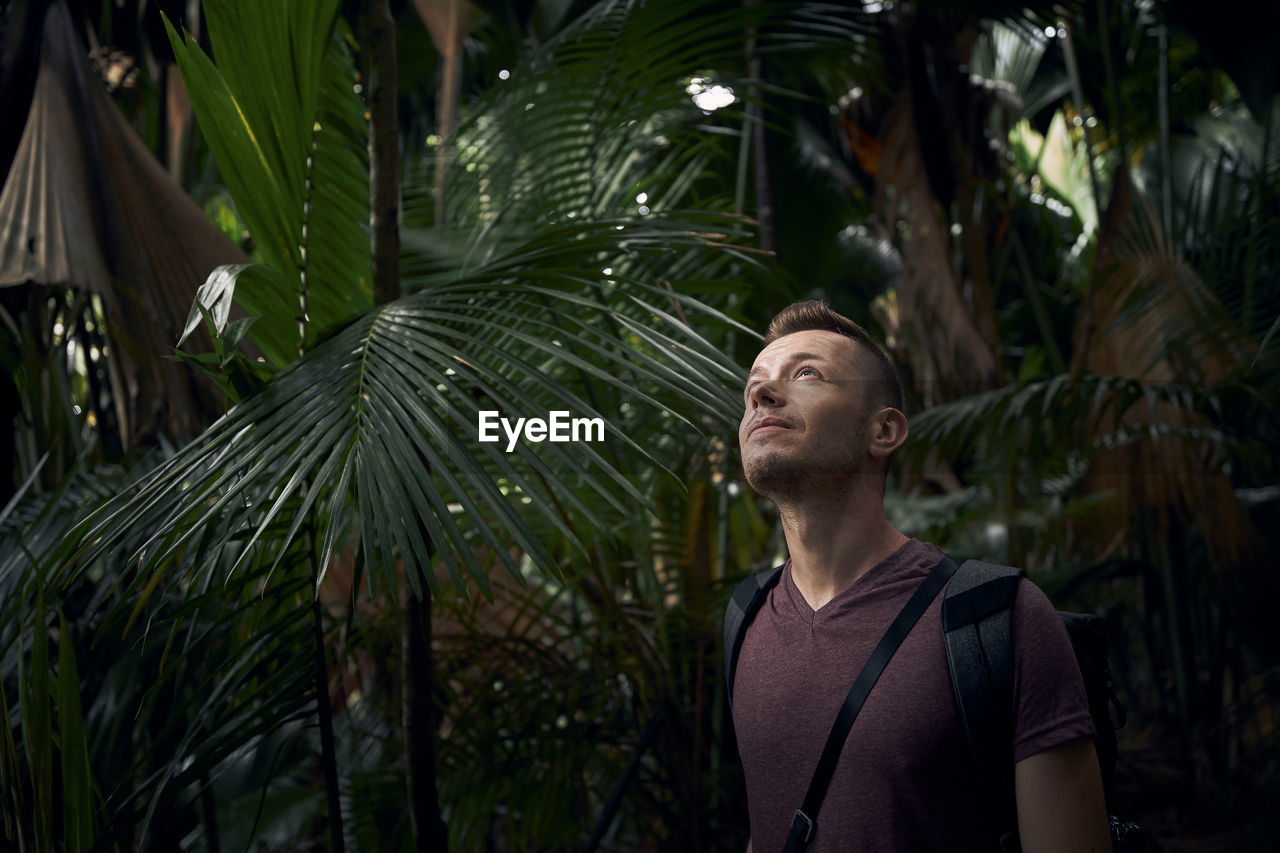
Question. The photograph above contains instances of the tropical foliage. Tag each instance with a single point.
(209, 641)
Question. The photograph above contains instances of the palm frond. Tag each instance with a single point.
(193, 668)
(389, 405)
(1192, 298)
(1008, 60)
(1063, 422)
(559, 140)
(294, 158)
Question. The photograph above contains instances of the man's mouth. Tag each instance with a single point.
(767, 423)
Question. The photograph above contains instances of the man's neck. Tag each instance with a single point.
(835, 539)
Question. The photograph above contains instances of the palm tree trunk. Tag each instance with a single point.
(417, 706)
(755, 110)
(324, 712)
(418, 716)
(384, 154)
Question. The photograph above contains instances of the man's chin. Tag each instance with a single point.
(775, 481)
(787, 480)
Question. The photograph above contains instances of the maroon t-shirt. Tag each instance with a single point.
(904, 782)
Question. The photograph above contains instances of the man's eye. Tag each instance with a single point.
(806, 371)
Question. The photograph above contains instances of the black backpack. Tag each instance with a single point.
(978, 633)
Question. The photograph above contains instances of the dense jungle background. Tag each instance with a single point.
(262, 263)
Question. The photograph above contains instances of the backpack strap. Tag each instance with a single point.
(802, 822)
(977, 628)
(742, 607)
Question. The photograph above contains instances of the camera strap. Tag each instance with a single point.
(802, 823)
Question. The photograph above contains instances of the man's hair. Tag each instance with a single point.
(816, 315)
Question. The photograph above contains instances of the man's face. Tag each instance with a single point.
(805, 422)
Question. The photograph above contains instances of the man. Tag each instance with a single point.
(823, 414)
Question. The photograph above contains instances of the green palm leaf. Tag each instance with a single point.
(292, 151)
(561, 139)
(387, 405)
(1060, 424)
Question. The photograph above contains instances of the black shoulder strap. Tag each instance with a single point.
(742, 607)
(977, 626)
(802, 823)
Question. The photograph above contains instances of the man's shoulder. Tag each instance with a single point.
(913, 557)
(920, 549)
(1035, 618)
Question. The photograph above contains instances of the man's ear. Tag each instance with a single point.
(888, 432)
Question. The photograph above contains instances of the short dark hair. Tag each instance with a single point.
(816, 315)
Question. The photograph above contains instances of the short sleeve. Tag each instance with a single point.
(1051, 706)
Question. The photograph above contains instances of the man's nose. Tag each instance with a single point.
(766, 392)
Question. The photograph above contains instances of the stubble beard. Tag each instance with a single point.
(793, 477)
